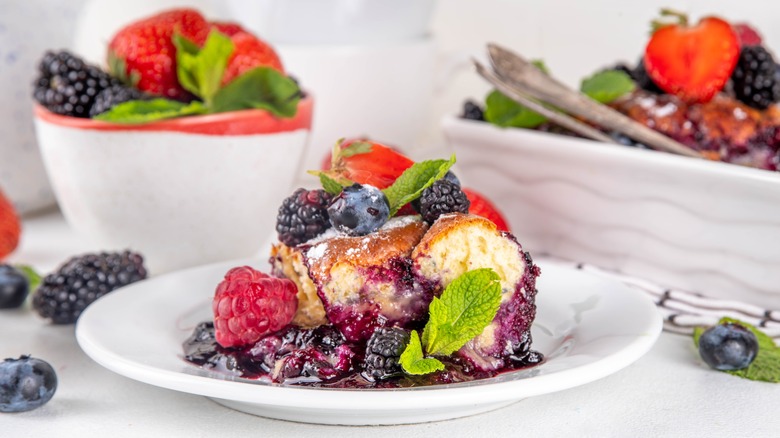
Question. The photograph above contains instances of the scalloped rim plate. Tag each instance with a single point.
(588, 327)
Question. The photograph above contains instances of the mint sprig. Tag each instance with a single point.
(607, 86)
(766, 366)
(410, 185)
(463, 310)
(199, 70)
(144, 111)
(261, 88)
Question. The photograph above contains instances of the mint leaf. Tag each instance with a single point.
(505, 112)
(33, 278)
(410, 185)
(413, 361)
(766, 365)
(356, 148)
(606, 86)
(329, 184)
(200, 70)
(263, 88)
(143, 111)
(466, 307)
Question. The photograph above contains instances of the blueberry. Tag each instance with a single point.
(472, 111)
(359, 210)
(728, 346)
(25, 384)
(14, 287)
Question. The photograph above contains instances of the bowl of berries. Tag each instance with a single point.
(706, 225)
(180, 147)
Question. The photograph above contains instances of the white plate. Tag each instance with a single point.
(587, 327)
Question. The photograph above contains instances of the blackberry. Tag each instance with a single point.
(643, 80)
(64, 294)
(472, 111)
(755, 79)
(359, 209)
(67, 85)
(383, 352)
(441, 198)
(303, 216)
(113, 96)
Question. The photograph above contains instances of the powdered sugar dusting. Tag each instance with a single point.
(400, 221)
(317, 251)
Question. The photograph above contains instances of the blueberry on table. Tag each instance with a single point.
(728, 347)
(25, 384)
(14, 287)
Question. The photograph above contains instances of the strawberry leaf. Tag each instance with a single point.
(143, 111)
(200, 70)
(329, 184)
(261, 87)
(356, 148)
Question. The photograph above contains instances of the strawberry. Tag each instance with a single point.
(10, 228)
(692, 62)
(227, 27)
(249, 304)
(143, 53)
(378, 165)
(481, 206)
(747, 35)
(249, 52)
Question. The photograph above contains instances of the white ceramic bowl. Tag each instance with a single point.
(183, 192)
(709, 227)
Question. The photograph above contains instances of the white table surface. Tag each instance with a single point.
(668, 392)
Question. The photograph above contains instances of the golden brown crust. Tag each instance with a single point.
(364, 251)
(288, 261)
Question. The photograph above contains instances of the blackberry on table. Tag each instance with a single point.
(113, 96)
(67, 85)
(472, 111)
(643, 80)
(303, 216)
(441, 198)
(755, 78)
(64, 294)
(383, 352)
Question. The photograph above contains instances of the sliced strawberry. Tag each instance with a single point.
(481, 206)
(692, 62)
(379, 167)
(10, 228)
(249, 52)
(143, 53)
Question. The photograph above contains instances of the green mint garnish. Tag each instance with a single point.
(607, 86)
(506, 113)
(766, 365)
(143, 111)
(262, 88)
(33, 278)
(329, 184)
(463, 310)
(200, 70)
(410, 185)
(414, 362)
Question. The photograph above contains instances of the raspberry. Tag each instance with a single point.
(383, 352)
(249, 304)
(64, 294)
(442, 197)
(755, 80)
(303, 216)
(113, 96)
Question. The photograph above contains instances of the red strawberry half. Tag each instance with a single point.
(377, 165)
(249, 52)
(10, 228)
(692, 62)
(481, 206)
(143, 53)
(249, 304)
